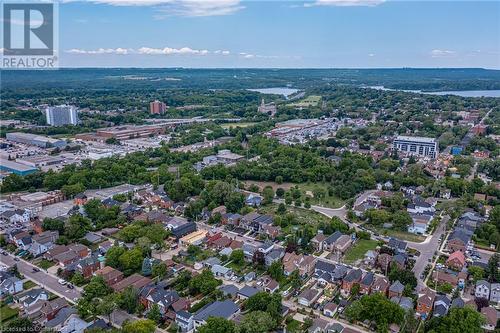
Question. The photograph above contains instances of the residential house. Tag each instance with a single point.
(88, 266)
(491, 315)
(246, 292)
(319, 325)
(222, 271)
(449, 276)
(60, 319)
(399, 260)
(105, 246)
(425, 303)
(32, 296)
(308, 296)
(317, 241)
(330, 309)
(397, 245)
(381, 285)
(370, 258)
(231, 219)
(458, 240)
(352, 278)
(9, 284)
(396, 289)
(184, 320)
(43, 242)
(229, 290)
(135, 280)
(404, 302)
(482, 289)
(253, 200)
(383, 261)
(65, 255)
(303, 263)
(16, 216)
(267, 284)
(21, 239)
(329, 242)
(110, 275)
(223, 309)
(495, 293)
(366, 283)
(442, 304)
(275, 255)
(456, 261)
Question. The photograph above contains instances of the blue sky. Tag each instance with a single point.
(304, 34)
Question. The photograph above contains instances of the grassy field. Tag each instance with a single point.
(306, 189)
(312, 100)
(401, 235)
(359, 249)
(242, 124)
(7, 313)
(45, 264)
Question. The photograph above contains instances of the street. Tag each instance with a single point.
(42, 279)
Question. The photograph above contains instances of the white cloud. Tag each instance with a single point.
(371, 54)
(436, 53)
(189, 8)
(169, 51)
(118, 50)
(223, 52)
(344, 3)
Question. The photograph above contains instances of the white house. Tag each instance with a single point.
(482, 289)
(495, 293)
(184, 320)
(9, 285)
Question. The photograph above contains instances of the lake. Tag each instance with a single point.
(276, 91)
(462, 93)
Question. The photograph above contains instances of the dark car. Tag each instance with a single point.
(36, 269)
(70, 286)
(4, 253)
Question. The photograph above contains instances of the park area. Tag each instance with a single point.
(312, 100)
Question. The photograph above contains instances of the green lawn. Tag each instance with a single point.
(327, 201)
(312, 100)
(359, 249)
(28, 285)
(45, 264)
(242, 124)
(402, 235)
(7, 313)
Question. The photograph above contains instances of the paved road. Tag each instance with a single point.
(427, 249)
(42, 278)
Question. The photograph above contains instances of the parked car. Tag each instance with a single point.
(62, 281)
(70, 286)
(36, 269)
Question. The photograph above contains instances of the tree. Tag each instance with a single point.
(160, 271)
(268, 195)
(96, 288)
(377, 308)
(53, 224)
(493, 264)
(77, 279)
(279, 179)
(128, 299)
(154, 313)
(203, 283)
(238, 257)
(107, 305)
(458, 320)
(113, 256)
(276, 271)
(281, 209)
(280, 192)
(218, 325)
(139, 326)
(257, 322)
(263, 301)
(476, 272)
(22, 325)
(131, 261)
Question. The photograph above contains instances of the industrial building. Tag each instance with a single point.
(125, 132)
(415, 145)
(61, 115)
(35, 140)
(16, 168)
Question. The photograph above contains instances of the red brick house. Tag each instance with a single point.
(88, 266)
(381, 285)
(425, 302)
(456, 261)
(110, 275)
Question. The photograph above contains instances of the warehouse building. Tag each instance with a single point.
(16, 168)
(35, 140)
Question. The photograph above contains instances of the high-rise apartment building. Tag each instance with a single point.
(61, 115)
(157, 107)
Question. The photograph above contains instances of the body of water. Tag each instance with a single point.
(462, 93)
(276, 91)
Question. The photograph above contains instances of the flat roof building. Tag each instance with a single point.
(157, 107)
(35, 140)
(416, 145)
(16, 168)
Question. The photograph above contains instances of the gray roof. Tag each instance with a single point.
(229, 289)
(368, 279)
(248, 291)
(483, 283)
(333, 237)
(397, 287)
(61, 317)
(224, 309)
(353, 275)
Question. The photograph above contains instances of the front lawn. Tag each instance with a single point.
(358, 250)
(45, 264)
(28, 285)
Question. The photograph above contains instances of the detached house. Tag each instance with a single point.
(396, 289)
(381, 285)
(366, 283)
(9, 284)
(482, 289)
(43, 242)
(459, 239)
(495, 293)
(222, 309)
(425, 302)
(303, 263)
(456, 261)
(352, 278)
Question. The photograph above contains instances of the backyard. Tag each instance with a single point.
(358, 250)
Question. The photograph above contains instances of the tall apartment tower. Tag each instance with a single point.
(157, 107)
(61, 115)
(414, 145)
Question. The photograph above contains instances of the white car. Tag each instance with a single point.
(61, 281)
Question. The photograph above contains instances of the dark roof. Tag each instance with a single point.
(184, 229)
(460, 234)
(333, 237)
(397, 244)
(324, 266)
(397, 287)
(353, 275)
(248, 291)
(224, 309)
(368, 279)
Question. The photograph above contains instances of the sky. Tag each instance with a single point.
(291, 34)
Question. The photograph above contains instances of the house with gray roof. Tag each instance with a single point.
(222, 271)
(483, 288)
(246, 292)
(9, 284)
(184, 320)
(229, 290)
(61, 317)
(223, 309)
(442, 304)
(495, 293)
(396, 289)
